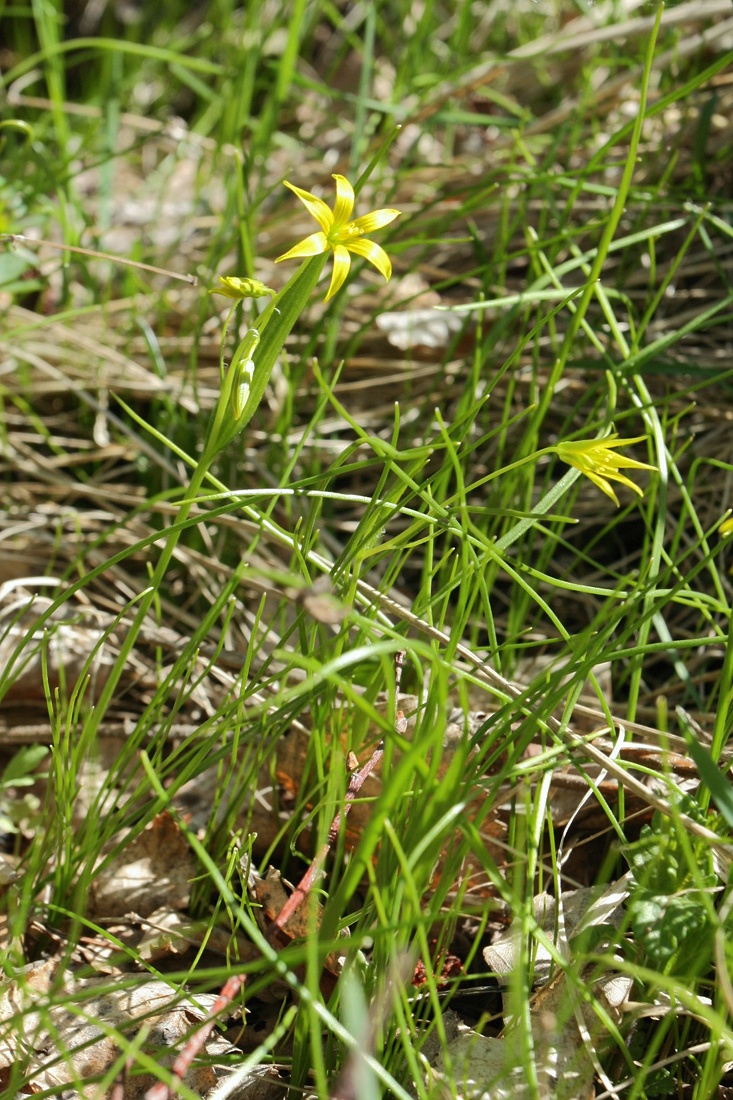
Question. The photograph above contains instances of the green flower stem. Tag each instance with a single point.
(535, 456)
(222, 346)
(548, 501)
(274, 326)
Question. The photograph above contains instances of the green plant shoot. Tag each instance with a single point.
(243, 373)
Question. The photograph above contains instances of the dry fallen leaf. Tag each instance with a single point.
(566, 1030)
(473, 1067)
(270, 893)
(167, 932)
(152, 871)
(69, 1025)
(65, 642)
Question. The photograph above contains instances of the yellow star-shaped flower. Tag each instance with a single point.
(597, 459)
(341, 235)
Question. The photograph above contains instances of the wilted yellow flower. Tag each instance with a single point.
(341, 235)
(232, 287)
(597, 459)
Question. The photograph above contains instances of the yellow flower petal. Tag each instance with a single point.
(621, 461)
(603, 485)
(311, 246)
(316, 207)
(367, 223)
(341, 265)
(344, 207)
(622, 480)
(374, 254)
(726, 527)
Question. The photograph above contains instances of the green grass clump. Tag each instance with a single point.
(263, 556)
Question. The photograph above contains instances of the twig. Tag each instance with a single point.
(18, 238)
(162, 1091)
